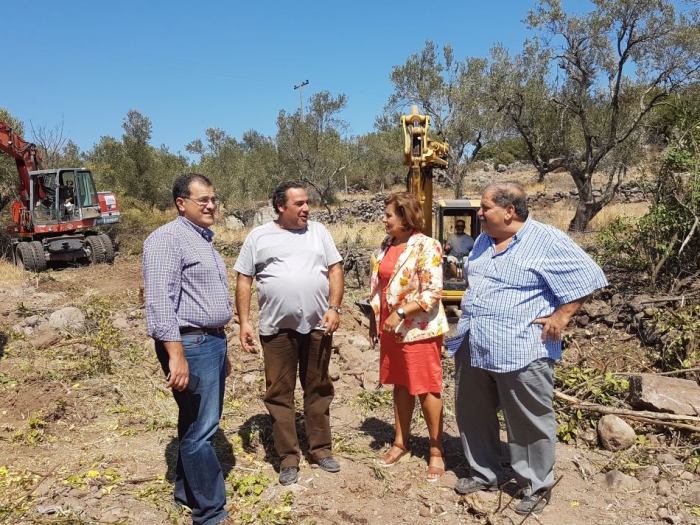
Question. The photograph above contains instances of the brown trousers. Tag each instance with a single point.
(312, 353)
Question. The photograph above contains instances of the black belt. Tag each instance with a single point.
(191, 330)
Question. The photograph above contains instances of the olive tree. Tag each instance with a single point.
(240, 170)
(314, 149)
(582, 89)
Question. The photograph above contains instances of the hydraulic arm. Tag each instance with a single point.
(422, 155)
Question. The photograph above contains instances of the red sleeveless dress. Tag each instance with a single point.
(416, 365)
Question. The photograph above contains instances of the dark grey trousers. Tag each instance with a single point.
(526, 398)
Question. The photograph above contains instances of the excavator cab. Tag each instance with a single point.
(450, 213)
(65, 195)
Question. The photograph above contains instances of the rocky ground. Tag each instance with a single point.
(87, 429)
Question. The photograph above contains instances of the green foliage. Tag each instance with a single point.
(665, 241)
(314, 149)
(138, 221)
(247, 503)
(32, 433)
(375, 399)
(452, 93)
(504, 151)
(241, 171)
(248, 484)
(379, 162)
(103, 337)
(8, 168)
(616, 246)
(132, 168)
(679, 329)
(582, 88)
(591, 385)
(568, 425)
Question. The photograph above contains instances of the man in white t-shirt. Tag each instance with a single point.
(457, 247)
(299, 277)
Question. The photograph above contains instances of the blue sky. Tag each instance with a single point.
(191, 65)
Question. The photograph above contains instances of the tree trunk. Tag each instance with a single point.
(587, 206)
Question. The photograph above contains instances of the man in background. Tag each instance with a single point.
(300, 283)
(457, 247)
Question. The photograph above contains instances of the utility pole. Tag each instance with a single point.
(301, 99)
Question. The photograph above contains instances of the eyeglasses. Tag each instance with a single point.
(204, 202)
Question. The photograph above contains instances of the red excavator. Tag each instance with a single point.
(57, 211)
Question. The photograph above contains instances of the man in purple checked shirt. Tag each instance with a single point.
(187, 307)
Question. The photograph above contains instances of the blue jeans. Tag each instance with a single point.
(199, 481)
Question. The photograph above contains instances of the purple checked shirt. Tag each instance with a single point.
(186, 283)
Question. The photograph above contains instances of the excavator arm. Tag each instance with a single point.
(422, 155)
(27, 158)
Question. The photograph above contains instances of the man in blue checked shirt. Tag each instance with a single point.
(526, 281)
(187, 307)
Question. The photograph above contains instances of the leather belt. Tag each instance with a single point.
(191, 330)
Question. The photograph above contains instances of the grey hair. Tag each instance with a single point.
(506, 194)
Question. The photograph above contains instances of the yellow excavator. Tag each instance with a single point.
(423, 155)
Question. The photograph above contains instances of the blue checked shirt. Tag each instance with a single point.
(186, 282)
(541, 269)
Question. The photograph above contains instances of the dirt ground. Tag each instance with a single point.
(87, 429)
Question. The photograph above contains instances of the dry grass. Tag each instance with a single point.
(560, 213)
(356, 233)
(611, 212)
(349, 231)
(10, 275)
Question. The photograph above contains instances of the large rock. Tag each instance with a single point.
(234, 223)
(615, 434)
(617, 481)
(264, 215)
(45, 336)
(69, 318)
(664, 394)
(595, 309)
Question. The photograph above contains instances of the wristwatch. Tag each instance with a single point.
(401, 313)
(338, 309)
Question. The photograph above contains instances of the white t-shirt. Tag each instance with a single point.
(291, 272)
(460, 243)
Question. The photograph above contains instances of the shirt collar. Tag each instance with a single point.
(517, 236)
(523, 229)
(204, 232)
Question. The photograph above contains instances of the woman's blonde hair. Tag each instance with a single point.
(408, 207)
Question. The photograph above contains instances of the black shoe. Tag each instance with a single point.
(533, 504)
(471, 485)
(329, 464)
(289, 475)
